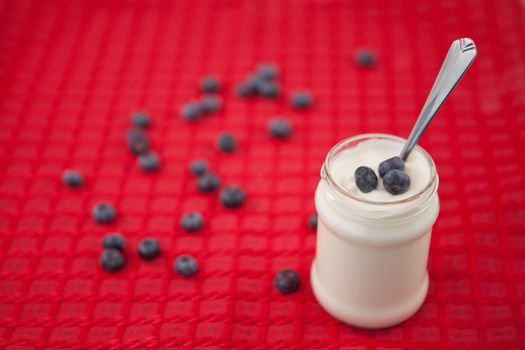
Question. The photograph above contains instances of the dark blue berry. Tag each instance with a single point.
(192, 222)
(199, 167)
(208, 183)
(72, 178)
(191, 111)
(396, 182)
(232, 197)
(268, 71)
(365, 58)
(149, 162)
(280, 128)
(287, 281)
(210, 85)
(186, 265)
(140, 120)
(312, 221)
(112, 260)
(365, 179)
(301, 99)
(104, 213)
(391, 164)
(211, 104)
(244, 90)
(148, 248)
(268, 89)
(226, 142)
(138, 142)
(113, 241)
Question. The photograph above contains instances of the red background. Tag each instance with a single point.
(71, 72)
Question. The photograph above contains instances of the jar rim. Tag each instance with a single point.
(326, 173)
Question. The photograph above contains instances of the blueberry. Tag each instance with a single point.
(268, 71)
(138, 142)
(391, 164)
(365, 58)
(148, 248)
(113, 241)
(104, 213)
(312, 221)
(232, 197)
(301, 99)
(210, 84)
(268, 89)
(186, 265)
(208, 182)
(226, 142)
(287, 281)
(72, 178)
(149, 162)
(365, 179)
(249, 87)
(140, 120)
(191, 111)
(112, 260)
(191, 222)
(244, 90)
(211, 104)
(199, 167)
(396, 182)
(280, 128)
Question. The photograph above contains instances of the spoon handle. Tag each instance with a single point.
(459, 57)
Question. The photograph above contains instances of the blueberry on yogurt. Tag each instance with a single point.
(365, 179)
(396, 182)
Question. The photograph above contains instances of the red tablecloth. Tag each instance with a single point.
(70, 74)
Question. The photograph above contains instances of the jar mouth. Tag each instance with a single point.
(352, 142)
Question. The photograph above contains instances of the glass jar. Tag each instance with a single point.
(370, 268)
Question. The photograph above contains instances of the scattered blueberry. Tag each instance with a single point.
(312, 221)
(149, 162)
(210, 85)
(268, 71)
(113, 241)
(186, 265)
(211, 104)
(280, 128)
(244, 90)
(191, 111)
(112, 260)
(192, 222)
(268, 89)
(396, 182)
(365, 179)
(391, 164)
(232, 197)
(104, 213)
(301, 99)
(148, 248)
(365, 58)
(140, 120)
(199, 167)
(287, 281)
(72, 178)
(226, 142)
(208, 182)
(138, 142)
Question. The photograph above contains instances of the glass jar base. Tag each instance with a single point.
(360, 317)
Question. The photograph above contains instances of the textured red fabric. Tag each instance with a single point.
(70, 74)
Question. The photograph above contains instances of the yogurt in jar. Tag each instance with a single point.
(370, 268)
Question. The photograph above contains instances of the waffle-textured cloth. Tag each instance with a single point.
(71, 72)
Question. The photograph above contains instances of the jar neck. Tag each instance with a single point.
(379, 213)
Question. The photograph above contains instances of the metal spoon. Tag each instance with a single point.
(460, 56)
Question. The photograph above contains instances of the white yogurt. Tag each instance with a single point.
(371, 153)
(372, 248)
